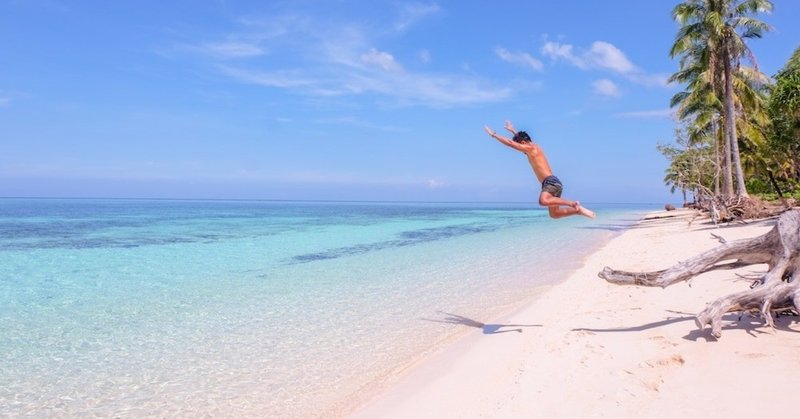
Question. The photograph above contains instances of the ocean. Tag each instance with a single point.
(134, 308)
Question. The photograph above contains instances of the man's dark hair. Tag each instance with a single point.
(522, 137)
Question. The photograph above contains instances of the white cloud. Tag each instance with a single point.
(606, 87)
(381, 59)
(436, 184)
(601, 55)
(412, 13)
(5, 101)
(520, 58)
(557, 51)
(605, 56)
(425, 56)
(656, 113)
(282, 79)
(339, 60)
(404, 88)
(323, 59)
(658, 80)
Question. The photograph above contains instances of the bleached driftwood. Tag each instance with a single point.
(777, 290)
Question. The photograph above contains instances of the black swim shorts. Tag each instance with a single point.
(553, 186)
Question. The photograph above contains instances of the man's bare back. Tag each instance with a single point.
(550, 196)
(539, 163)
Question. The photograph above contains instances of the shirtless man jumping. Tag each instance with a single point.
(551, 186)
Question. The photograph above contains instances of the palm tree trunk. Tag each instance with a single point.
(717, 162)
(727, 174)
(730, 117)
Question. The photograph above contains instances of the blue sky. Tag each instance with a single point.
(350, 100)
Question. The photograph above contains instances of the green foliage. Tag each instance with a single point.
(760, 186)
(784, 111)
(772, 196)
(691, 164)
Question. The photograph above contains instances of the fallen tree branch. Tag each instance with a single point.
(776, 291)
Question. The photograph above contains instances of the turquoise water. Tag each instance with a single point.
(131, 308)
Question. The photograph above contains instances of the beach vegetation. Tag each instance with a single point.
(783, 146)
(692, 166)
(739, 129)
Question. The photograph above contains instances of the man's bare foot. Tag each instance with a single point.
(585, 211)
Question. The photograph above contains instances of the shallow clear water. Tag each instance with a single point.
(136, 308)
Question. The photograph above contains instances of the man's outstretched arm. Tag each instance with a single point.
(510, 127)
(505, 141)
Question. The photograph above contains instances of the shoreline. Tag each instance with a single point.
(586, 348)
(374, 389)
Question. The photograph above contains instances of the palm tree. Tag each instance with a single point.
(701, 72)
(712, 36)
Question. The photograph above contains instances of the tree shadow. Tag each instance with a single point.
(615, 227)
(753, 326)
(653, 325)
(488, 329)
(709, 225)
(608, 227)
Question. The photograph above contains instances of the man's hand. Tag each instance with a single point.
(510, 127)
(489, 131)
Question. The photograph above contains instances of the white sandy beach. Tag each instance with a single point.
(592, 349)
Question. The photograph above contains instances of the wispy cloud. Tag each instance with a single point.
(205, 170)
(600, 55)
(520, 58)
(231, 49)
(436, 184)
(279, 78)
(606, 87)
(656, 113)
(341, 60)
(558, 51)
(424, 56)
(403, 88)
(604, 56)
(381, 59)
(5, 101)
(657, 80)
(411, 13)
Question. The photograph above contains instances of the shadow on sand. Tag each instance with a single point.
(617, 227)
(643, 327)
(488, 329)
(753, 326)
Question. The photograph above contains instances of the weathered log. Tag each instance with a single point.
(777, 290)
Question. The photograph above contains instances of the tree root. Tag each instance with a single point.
(777, 290)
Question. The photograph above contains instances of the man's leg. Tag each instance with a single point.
(561, 212)
(546, 199)
(559, 208)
